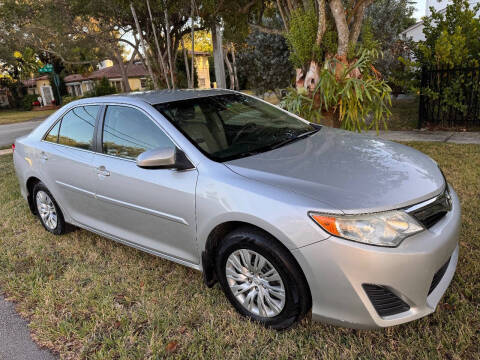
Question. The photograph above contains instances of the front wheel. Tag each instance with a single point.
(261, 279)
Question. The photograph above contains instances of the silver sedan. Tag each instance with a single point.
(287, 216)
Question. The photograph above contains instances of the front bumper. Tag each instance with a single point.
(336, 269)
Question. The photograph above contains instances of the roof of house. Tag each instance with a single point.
(111, 72)
(74, 78)
(33, 81)
(134, 70)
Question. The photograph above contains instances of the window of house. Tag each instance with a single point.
(77, 127)
(143, 83)
(88, 86)
(117, 84)
(127, 132)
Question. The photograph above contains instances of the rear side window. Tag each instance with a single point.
(127, 133)
(77, 127)
(52, 135)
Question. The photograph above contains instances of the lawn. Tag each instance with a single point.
(89, 297)
(15, 116)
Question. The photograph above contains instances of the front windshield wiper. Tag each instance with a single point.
(293, 139)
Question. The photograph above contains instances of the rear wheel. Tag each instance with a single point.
(261, 279)
(48, 210)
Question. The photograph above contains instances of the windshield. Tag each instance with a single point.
(226, 127)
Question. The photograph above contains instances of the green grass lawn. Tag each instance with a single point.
(15, 116)
(89, 297)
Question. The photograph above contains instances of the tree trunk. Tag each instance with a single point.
(142, 41)
(237, 85)
(230, 71)
(338, 12)
(159, 52)
(185, 58)
(192, 72)
(313, 76)
(218, 57)
(169, 45)
(123, 71)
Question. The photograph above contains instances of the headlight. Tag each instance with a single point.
(383, 229)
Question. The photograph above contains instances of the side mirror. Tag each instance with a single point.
(164, 158)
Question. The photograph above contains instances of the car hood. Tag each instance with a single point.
(350, 172)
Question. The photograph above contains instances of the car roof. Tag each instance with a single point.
(154, 97)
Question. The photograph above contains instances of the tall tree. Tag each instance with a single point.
(316, 30)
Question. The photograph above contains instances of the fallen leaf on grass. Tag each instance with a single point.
(171, 346)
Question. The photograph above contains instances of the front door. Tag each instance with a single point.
(47, 95)
(153, 209)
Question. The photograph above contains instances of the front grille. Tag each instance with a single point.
(384, 301)
(438, 276)
(432, 211)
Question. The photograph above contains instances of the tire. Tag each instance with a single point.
(46, 205)
(273, 311)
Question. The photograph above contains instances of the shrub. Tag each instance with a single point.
(263, 64)
(28, 100)
(104, 88)
(67, 99)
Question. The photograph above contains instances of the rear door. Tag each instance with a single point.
(153, 209)
(66, 155)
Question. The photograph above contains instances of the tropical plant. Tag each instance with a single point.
(352, 102)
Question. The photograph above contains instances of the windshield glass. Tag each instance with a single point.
(226, 127)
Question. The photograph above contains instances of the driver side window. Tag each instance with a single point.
(127, 133)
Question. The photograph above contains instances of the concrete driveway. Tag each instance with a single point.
(9, 132)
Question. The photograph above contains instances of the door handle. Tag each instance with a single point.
(43, 155)
(101, 170)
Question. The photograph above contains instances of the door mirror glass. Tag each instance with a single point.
(164, 158)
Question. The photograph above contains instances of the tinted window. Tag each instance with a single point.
(232, 126)
(52, 136)
(77, 127)
(127, 133)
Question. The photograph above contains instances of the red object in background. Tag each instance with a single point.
(13, 147)
(53, 101)
(36, 103)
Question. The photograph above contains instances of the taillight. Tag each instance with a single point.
(13, 147)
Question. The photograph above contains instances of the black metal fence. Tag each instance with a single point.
(450, 98)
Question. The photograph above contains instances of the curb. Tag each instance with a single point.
(5, 152)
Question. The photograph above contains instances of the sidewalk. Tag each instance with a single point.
(425, 135)
(15, 340)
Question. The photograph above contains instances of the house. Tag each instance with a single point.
(415, 32)
(78, 84)
(40, 86)
(202, 68)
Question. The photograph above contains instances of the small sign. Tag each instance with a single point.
(46, 69)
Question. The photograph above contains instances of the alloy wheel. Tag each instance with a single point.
(46, 210)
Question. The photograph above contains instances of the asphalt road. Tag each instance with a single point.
(15, 340)
(9, 132)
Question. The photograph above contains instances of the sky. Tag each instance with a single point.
(419, 9)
